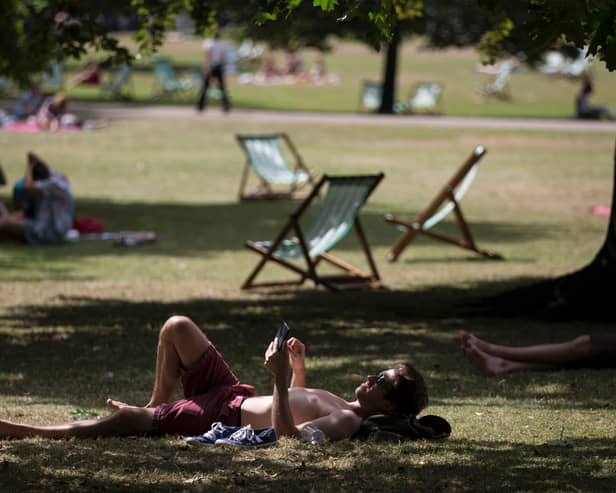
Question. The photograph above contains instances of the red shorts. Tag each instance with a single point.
(212, 393)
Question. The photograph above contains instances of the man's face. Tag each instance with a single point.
(371, 393)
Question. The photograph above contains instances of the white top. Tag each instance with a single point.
(215, 49)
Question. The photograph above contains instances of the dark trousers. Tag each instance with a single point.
(216, 72)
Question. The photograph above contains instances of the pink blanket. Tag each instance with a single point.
(27, 127)
(600, 210)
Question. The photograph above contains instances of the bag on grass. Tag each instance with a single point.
(383, 427)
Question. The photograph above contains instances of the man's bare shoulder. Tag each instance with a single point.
(339, 424)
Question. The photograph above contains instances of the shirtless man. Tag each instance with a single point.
(213, 393)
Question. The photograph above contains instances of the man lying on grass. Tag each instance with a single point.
(213, 393)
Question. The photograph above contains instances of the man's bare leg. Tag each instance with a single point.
(181, 343)
(495, 365)
(555, 354)
(126, 421)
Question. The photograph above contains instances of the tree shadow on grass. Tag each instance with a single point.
(84, 349)
(191, 230)
(147, 465)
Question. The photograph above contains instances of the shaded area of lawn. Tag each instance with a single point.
(205, 230)
(145, 465)
(84, 349)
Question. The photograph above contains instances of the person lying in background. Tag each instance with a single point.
(585, 351)
(44, 206)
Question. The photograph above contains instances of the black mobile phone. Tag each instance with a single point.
(282, 334)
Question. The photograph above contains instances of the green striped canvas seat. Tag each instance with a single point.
(371, 95)
(266, 157)
(445, 202)
(121, 81)
(168, 81)
(338, 213)
(425, 97)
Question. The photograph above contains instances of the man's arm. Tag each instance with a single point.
(297, 352)
(282, 418)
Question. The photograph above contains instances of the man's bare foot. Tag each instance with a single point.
(484, 362)
(115, 405)
(470, 339)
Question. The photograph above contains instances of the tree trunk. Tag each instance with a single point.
(586, 294)
(390, 70)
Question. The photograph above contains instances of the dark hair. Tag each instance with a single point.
(408, 392)
(40, 171)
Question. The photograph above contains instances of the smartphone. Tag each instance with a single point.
(282, 334)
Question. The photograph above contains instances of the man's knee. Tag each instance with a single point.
(177, 326)
(130, 420)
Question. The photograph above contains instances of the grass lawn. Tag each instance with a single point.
(79, 322)
(534, 95)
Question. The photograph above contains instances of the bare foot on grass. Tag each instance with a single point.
(484, 362)
(115, 405)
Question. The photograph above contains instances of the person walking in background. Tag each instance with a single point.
(214, 68)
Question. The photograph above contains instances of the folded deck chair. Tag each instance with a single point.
(301, 250)
(446, 201)
(278, 180)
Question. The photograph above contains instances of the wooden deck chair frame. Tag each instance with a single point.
(352, 277)
(265, 190)
(447, 200)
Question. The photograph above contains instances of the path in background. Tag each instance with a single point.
(113, 111)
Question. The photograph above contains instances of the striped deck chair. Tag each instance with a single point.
(338, 212)
(121, 82)
(446, 201)
(370, 96)
(166, 81)
(264, 154)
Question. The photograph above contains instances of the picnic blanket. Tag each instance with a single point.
(33, 127)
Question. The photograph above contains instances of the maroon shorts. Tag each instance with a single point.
(212, 393)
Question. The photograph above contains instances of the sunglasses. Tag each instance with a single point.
(380, 379)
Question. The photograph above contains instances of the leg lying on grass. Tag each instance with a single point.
(180, 345)
(582, 352)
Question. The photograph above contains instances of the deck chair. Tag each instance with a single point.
(53, 80)
(425, 97)
(499, 87)
(447, 200)
(337, 213)
(370, 96)
(169, 84)
(121, 81)
(264, 154)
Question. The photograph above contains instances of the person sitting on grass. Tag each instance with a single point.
(585, 351)
(214, 394)
(44, 206)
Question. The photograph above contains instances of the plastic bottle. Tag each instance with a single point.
(312, 435)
